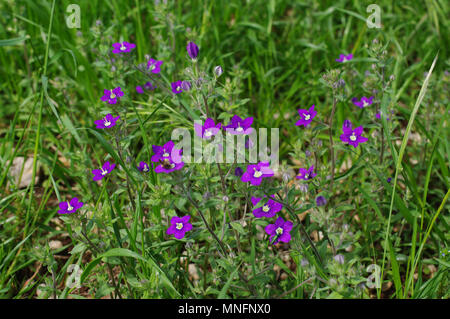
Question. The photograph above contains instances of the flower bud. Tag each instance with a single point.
(218, 70)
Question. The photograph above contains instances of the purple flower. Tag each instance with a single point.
(270, 209)
(176, 87)
(238, 171)
(339, 259)
(170, 159)
(143, 167)
(321, 201)
(154, 65)
(350, 136)
(107, 122)
(239, 126)
(111, 96)
(192, 50)
(389, 179)
(344, 58)
(207, 130)
(378, 115)
(255, 173)
(163, 152)
(70, 207)
(306, 174)
(306, 116)
(100, 173)
(186, 85)
(179, 226)
(122, 47)
(279, 231)
(147, 86)
(363, 102)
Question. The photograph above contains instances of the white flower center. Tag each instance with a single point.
(306, 176)
(122, 47)
(257, 174)
(107, 123)
(104, 172)
(208, 133)
(306, 116)
(365, 104)
(69, 208)
(279, 231)
(239, 129)
(353, 137)
(266, 208)
(179, 226)
(165, 154)
(152, 67)
(178, 88)
(112, 95)
(145, 168)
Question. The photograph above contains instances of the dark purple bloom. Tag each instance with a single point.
(122, 47)
(208, 129)
(270, 209)
(239, 126)
(139, 89)
(255, 173)
(350, 136)
(306, 116)
(179, 226)
(363, 102)
(70, 207)
(107, 122)
(321, 201)
(176, 87)
(306, 174)
(344, 58)
(238, 171)
(389, 179)
(111, 96)
(192, 50)
(143, 167)
(154, 65)
(100, 173)
(280, 231)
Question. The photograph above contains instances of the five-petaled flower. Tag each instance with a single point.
(179, 226)
(306, 116)
(207, 130)
(100, 173)
(143, 167)
(269, 209)
(154, 65)
(111, 96)
(363, 102)
(170, 159)
(350, 136)
(279, 231)
(239, 126)
(107, 122)
(306, 174)
(344, 58)
(123, 47)
(192, 50)
(176, 87)
(70, 207)
(255, 173)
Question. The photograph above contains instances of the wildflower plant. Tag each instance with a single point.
(154, 223)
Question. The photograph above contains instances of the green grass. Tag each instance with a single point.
(274, 54)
